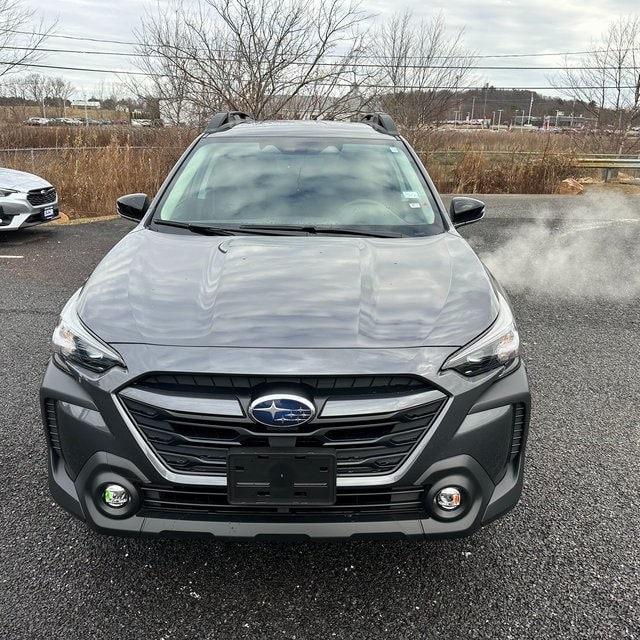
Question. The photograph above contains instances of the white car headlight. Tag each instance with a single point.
(498, 347)
(72, 342)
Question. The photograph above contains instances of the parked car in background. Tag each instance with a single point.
(37, 122)
(66, 121)
(25, 200)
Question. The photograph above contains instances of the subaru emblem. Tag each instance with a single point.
(281, 410)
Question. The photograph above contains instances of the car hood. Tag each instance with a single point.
(21, 181)
(288, 292)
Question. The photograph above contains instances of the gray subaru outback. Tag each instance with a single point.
(293, 343)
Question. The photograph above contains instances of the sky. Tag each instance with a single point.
(491, 28)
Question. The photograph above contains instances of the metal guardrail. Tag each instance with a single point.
(608, 163)
(602, 161)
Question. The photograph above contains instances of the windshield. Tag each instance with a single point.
(307, 182)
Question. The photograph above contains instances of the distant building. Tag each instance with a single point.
(568, 121)
(86, 104)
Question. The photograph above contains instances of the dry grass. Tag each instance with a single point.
(538, 174)
(473, 172)
(427, 140)
(496, 162)
(89, 180)
(23, 137)
(92, 166)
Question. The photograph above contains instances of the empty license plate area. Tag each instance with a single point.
(281, 478)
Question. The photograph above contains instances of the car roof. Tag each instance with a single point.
(303, 128)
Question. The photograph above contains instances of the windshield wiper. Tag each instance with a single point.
(213, 230)
(274, 229)
(312, 230)
(197, 228)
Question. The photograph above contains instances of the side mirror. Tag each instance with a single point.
(133, 206)
(465, 211)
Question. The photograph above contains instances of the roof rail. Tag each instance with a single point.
(381, 121)
(226, 120)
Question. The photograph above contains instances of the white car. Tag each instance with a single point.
(38, 122)
(25, 200)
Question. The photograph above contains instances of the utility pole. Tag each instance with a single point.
(573, 108)
(484, 111)
(473, 106)
(530, 107)
(500, 116)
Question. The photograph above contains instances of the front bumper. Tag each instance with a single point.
(471, 446)
(21, 215)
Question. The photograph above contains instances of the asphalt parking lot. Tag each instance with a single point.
(564, 564)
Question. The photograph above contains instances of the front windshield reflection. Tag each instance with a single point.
(306, 182)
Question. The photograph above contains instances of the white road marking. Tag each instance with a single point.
(12, 257)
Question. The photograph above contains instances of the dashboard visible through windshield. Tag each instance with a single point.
(305, 182)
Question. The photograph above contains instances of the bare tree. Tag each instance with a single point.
(14, 90)
(162, 63)
(422, 68)
(35, 87)
(109, 94)
(19, 41)
(59, 90)
(606, 80)
(269, 58)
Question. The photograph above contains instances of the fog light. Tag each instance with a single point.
(449, 498)
(116, 496)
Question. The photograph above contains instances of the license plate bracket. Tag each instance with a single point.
(281, 477)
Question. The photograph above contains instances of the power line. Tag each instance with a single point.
(66, 37)
(460, 57)
(347, 85)
(63, 68)
(360, 65)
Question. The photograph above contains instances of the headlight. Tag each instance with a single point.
(6, 192)
(498, 347)
(72, 342)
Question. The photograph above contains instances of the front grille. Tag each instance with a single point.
(221, 384)
(211, 502)
(51, 425)
(519, 414)
(38, 197)
(196, 443)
